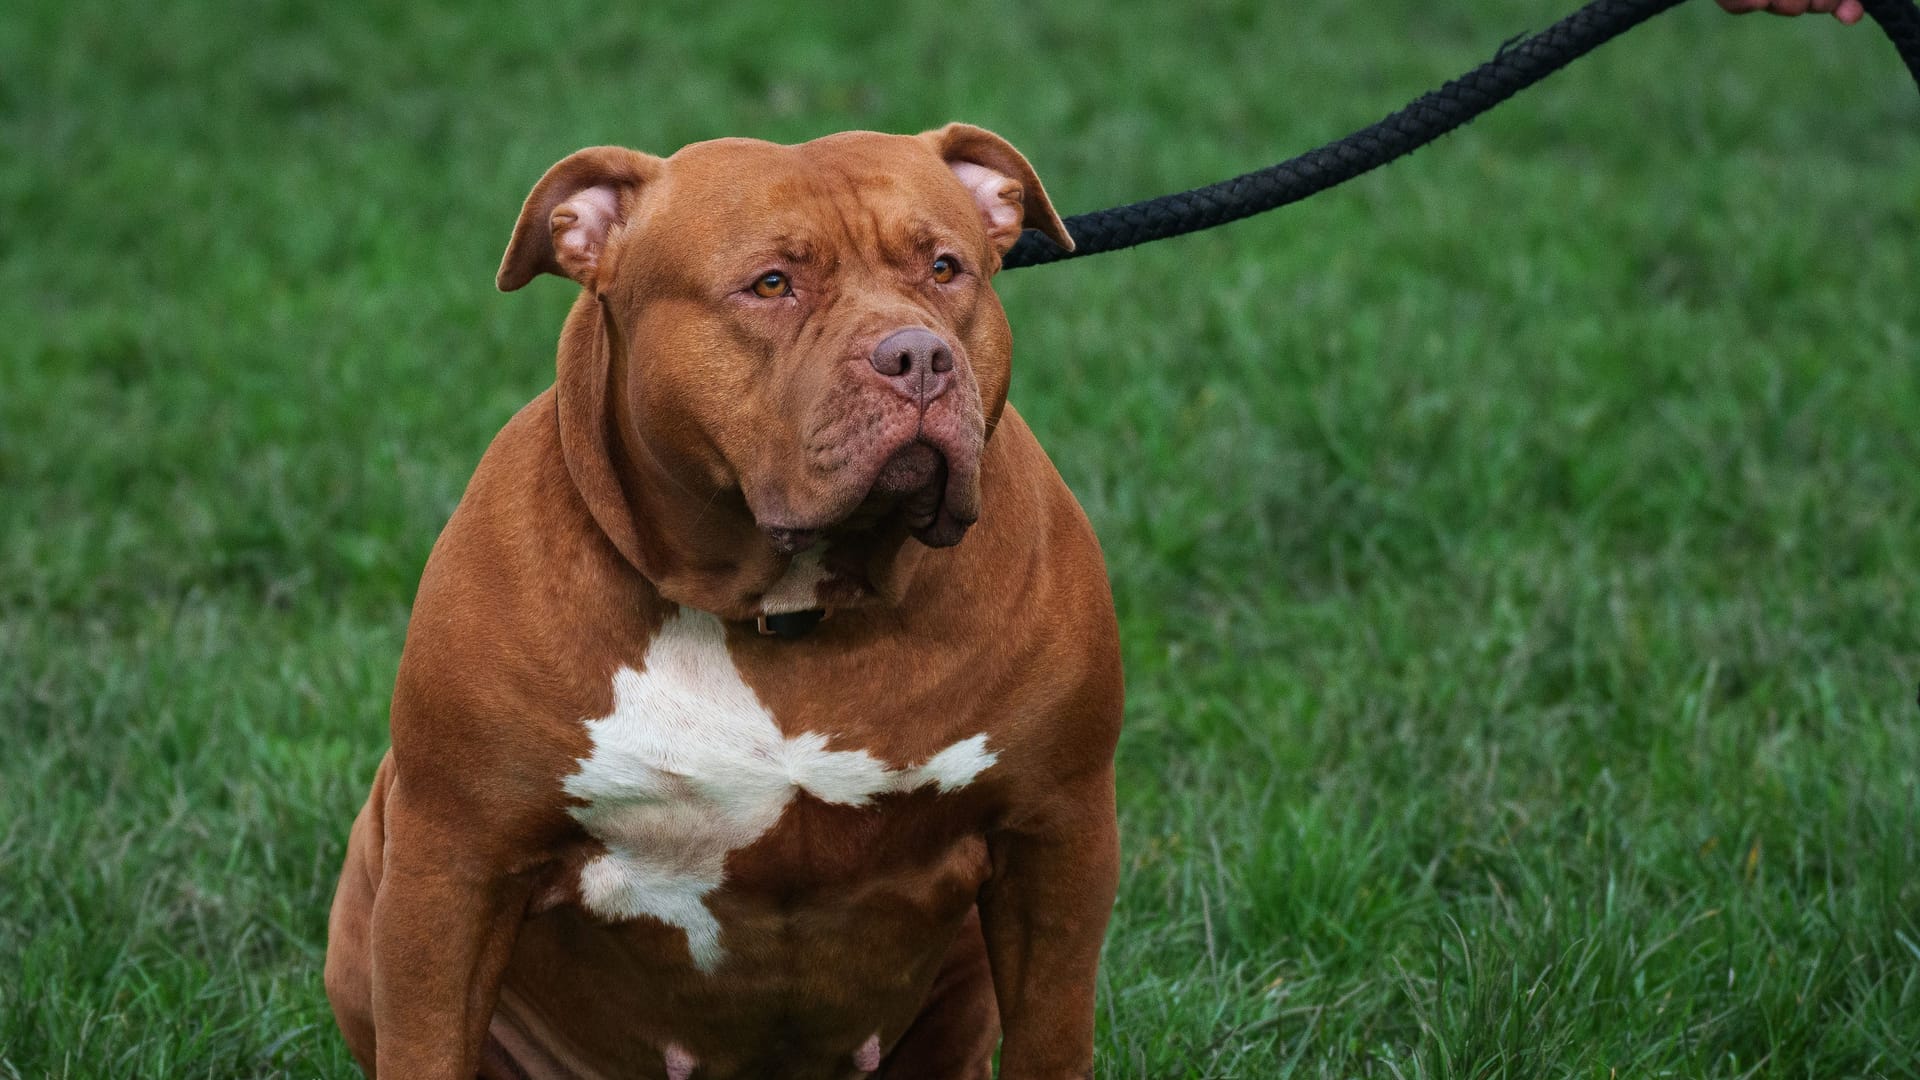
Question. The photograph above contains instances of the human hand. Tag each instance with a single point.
(1847, 11)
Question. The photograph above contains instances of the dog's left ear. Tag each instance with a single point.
(1004, 186)
(567, 220)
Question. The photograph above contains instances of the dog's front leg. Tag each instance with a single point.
(444, 925)
(1045, 914)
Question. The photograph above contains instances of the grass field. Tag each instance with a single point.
(1516, 550)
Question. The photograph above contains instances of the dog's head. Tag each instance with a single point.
(811, 326)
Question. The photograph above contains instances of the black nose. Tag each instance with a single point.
(912, 352)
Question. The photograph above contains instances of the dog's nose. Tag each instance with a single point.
(916, 362)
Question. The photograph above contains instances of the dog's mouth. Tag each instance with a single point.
(915, 480)
(910, 470)
(911, 487)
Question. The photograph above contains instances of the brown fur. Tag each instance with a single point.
(687, 426)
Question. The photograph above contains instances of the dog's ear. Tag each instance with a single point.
(564, 226)
(1004, 186)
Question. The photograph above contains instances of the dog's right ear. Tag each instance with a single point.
(565, 224)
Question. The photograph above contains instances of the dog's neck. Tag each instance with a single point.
(697, 543)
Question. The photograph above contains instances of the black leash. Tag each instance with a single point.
(1518, 65)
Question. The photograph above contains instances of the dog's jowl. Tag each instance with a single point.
(757, 713)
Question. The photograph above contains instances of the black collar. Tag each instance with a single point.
(790, 625)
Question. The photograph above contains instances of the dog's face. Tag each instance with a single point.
(812, 326)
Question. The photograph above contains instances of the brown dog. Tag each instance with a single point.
(642, 816)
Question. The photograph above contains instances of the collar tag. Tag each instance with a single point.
(790, 625)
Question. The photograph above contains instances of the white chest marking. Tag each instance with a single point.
(690, 767)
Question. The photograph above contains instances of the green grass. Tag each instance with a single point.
(1516, 550)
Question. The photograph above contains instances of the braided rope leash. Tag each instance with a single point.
(1517, 66)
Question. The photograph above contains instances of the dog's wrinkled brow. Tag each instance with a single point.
(922, 237)
(796, 249)
(780, 250)
(911, 243)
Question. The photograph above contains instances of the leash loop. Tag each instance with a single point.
(1519, 64)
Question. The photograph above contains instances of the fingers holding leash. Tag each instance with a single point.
(1847, 11)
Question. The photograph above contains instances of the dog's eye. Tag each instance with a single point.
(944, 268)
(772, 284)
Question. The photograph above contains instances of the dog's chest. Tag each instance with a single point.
(690, 767)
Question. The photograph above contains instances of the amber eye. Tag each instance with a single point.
(944, 268)
(772, 284)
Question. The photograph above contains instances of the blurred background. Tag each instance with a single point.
(1515, 549)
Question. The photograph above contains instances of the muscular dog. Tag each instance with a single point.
(716, 751)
